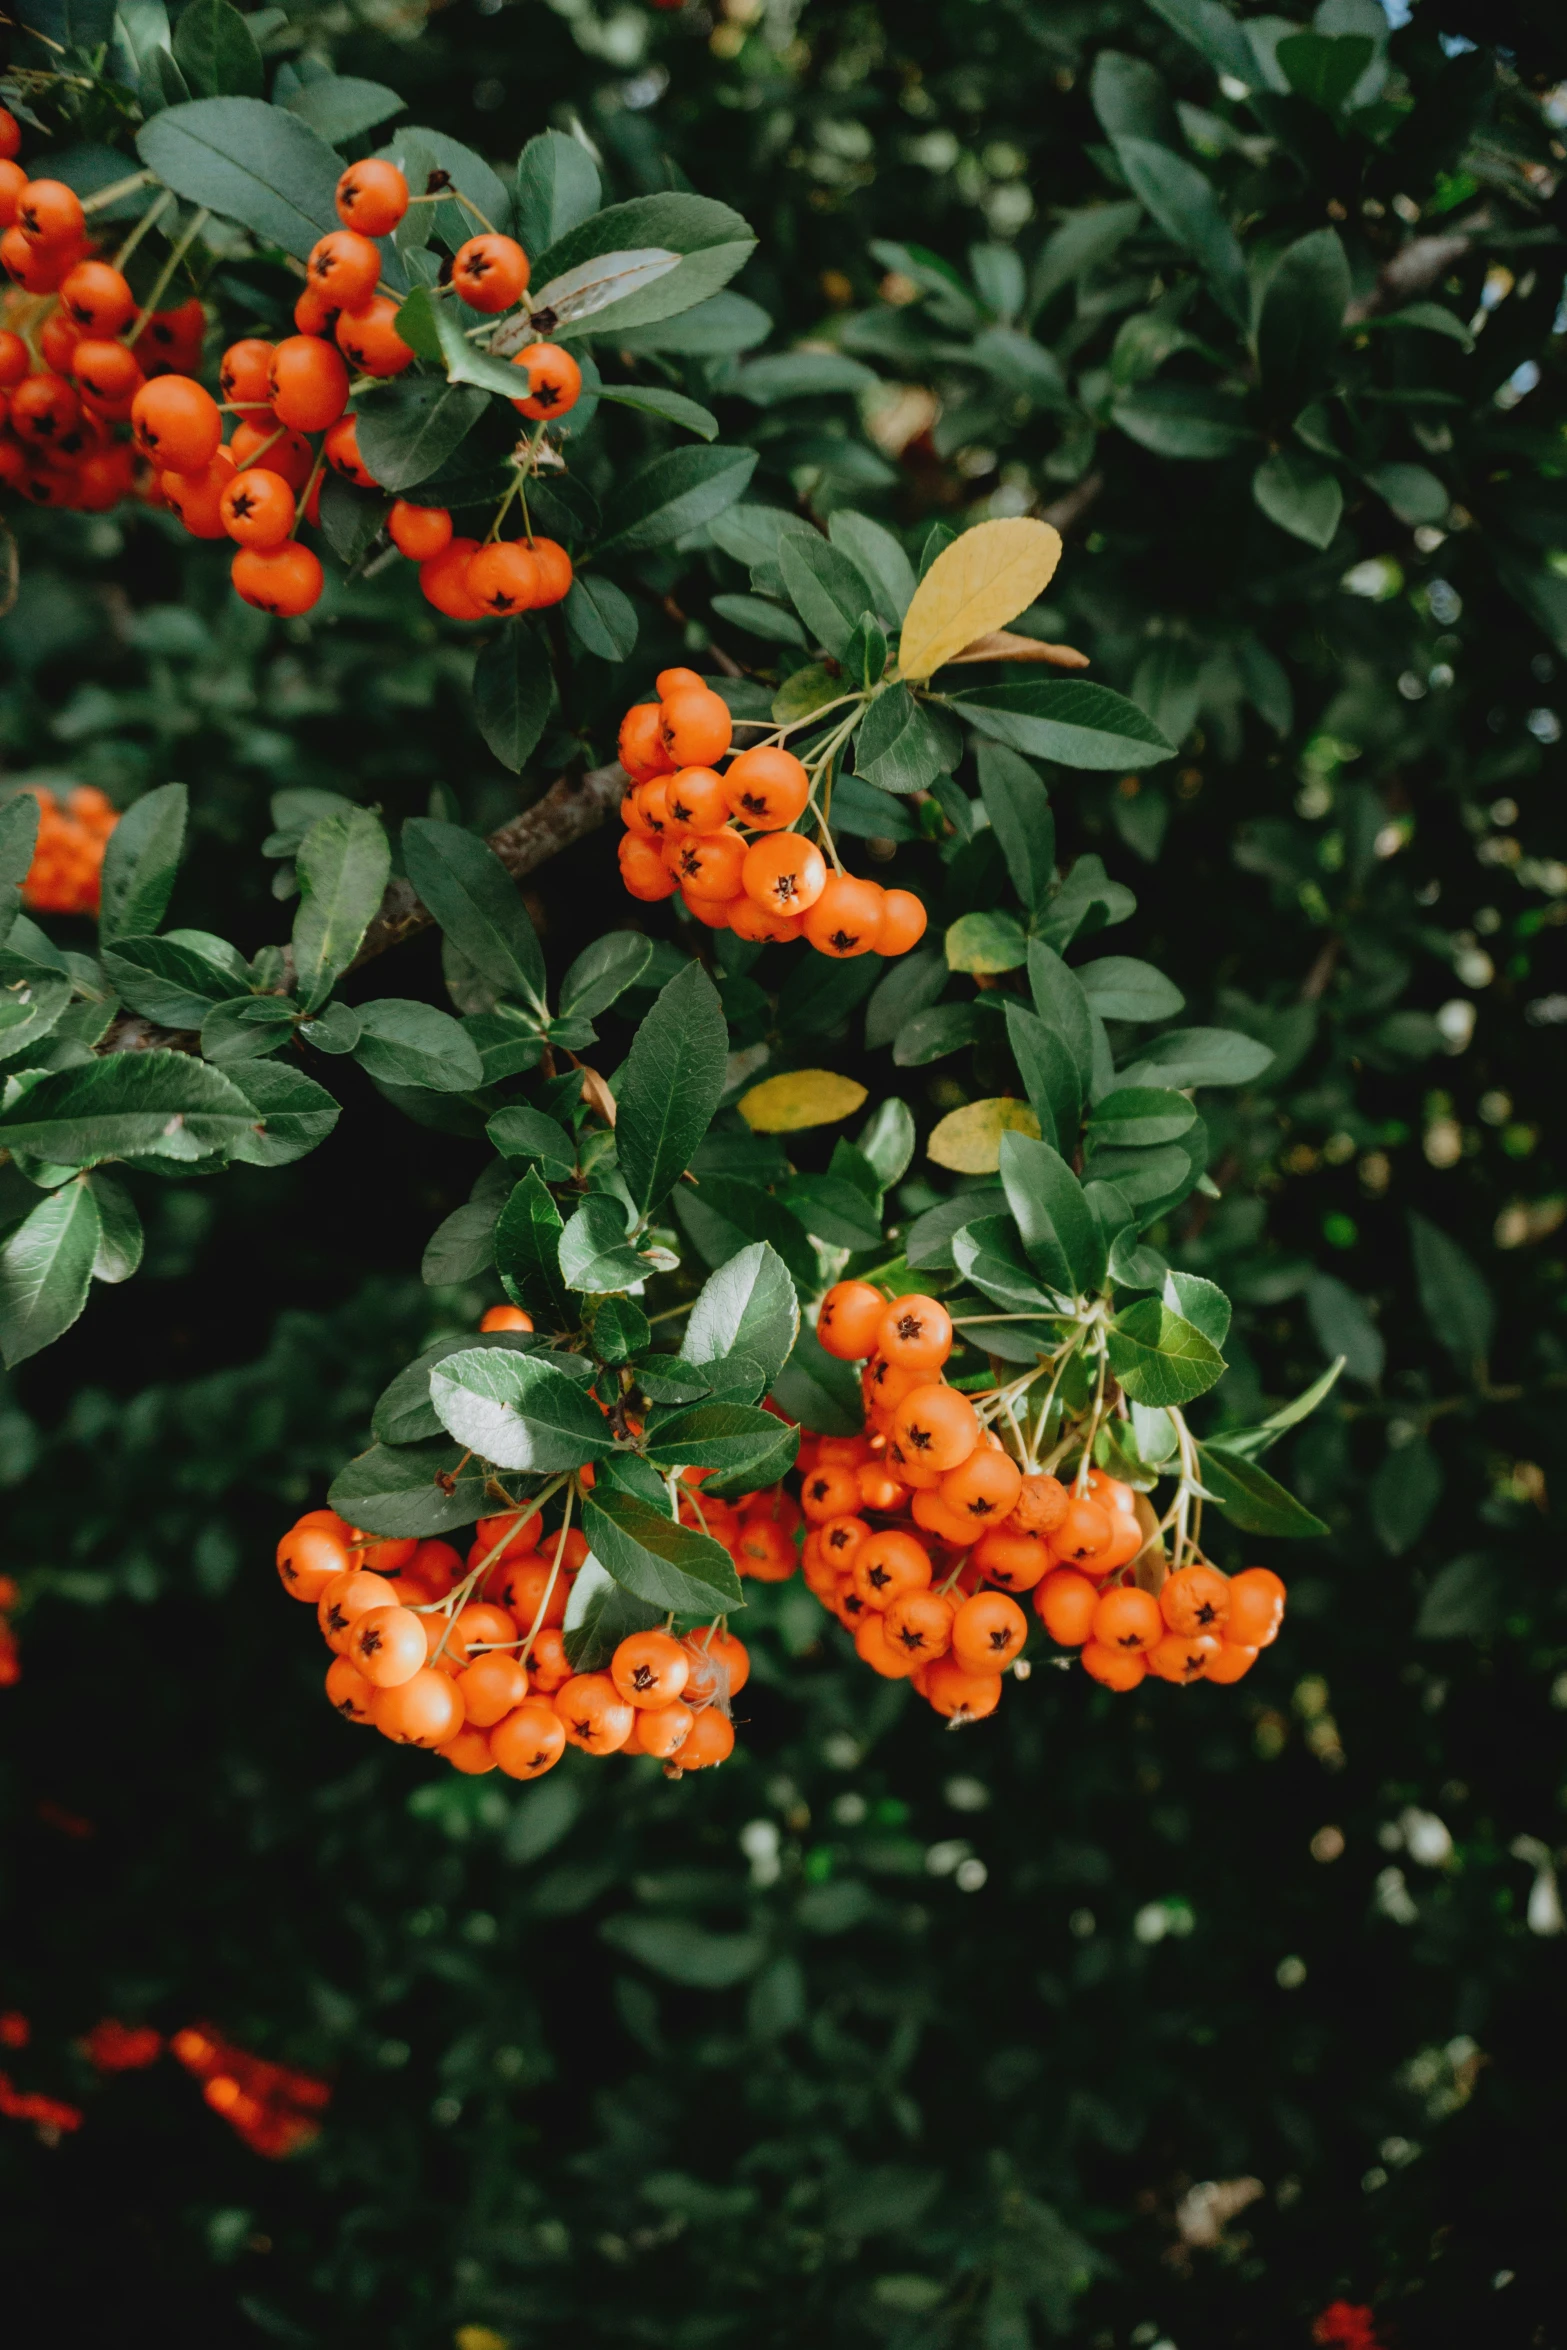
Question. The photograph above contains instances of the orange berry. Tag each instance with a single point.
(888, 1565)
(659, 1730)
(784, 873)
(1230, 1662)
(105, 371)
(348, 1692)
(530, 1741)
(694, 799)
(885, 1384)
(44, 410)
(372, 197)
(1084, 1532)
(932, 1513)
(423, 1711)
(443, 581)
(49, 213)
(838, 1538)
(469, 1751)
(593, 1713)
(284, 581)
(641, 743)
(764, 1551)
(1041, 1505)
(1195, 1599)
(308, 1559)
(845, 918)
(503, 578)
(10, 134)
(767, 788)
(702, 1680)
(555, 572)
(554, 386)
(715, 913)
(1115, 1668)
(988, 1631)
(1182, 1656)
(491, 1688)
(643, 870)
(503, 1318)
(549, 1667)
(257, 507)
(650, 1669)
(830, 1492)
(13, 179)
(933, 1429)
(1016, 1561)
(342, 453)
(307, 383)
(1256, 1609)
(884, 1656)
(1065, 1603)
(490, 273)
(915, 1334)
(97, 298)
(15, 359)
(396, 1556)
(435, 1565)
(175, 423)
(920, 1624)
(347, 1597)
(880, 1489)
(695, 727)
(245, 371)
(678, 681)
(419, 532)
(902, 925)
(962, 1696)
(285, 453)
(710, 1740)
(388, 1645)
(369, 337)
(197, 497)
(732, 1657)
(707, 864)
(346, 267)
(1128, 1619)
(982, 1490)
(315, 313)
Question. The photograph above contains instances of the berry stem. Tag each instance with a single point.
(160, 284)
(158, 205)
(549, 1588)
(118, 188)
(303, 499)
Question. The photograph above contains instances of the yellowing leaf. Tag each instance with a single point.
(801, 1097)
(979, 583)
(969, 1140)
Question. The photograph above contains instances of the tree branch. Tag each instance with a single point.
(573, 807)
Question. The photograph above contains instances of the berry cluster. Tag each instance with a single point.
(687, 829)
(936, 1605)
(273, 2107)
(67, 867)
(469, 1659)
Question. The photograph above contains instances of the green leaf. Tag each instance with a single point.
(1152, 1181)
(351, 517)
(712, 243)
(1184, 421)
(1055, 1221)
(832, 1210)
(609, 1616)
(33, 1001)
(672, 407)
(404, 1413)
(120, 1236)
(670, 1565)
(818, 1390)
(685, 1953)
(1404, 1492)
(748, 1307)
(1302, 317)
(409, 427)
(404, 1042)
(296, 1113)
(557, 188)
(1198, 1056)
(130, 1105)
(899, 747)
(1301, 494)
(1050, 1075)
(1183, 202)
(672, 494)
(216, 51)
(1465, 1600)
(517, 1410)
(410, 1489)
(420, 152)
(174, 981)
(1119, 987)
(461, 1247)
(718, 328)
(879, 560)
(1018, 806)
(19, 819)
(1159, 1357)
(601, 617)
(335, 1029)
(724, 1213)
(1343, 1328)
(1203, 1303)
(1457, 1300)
(594, 1252)
(929, 1238)
(985, 943)
(758, 617)
(1139, 1116)
(340, 106)
(1325, 68)
(511, 693)
(1077, 725)
(1249, 1497)
(527, 1253)
(670, 1086)
(825, 588)
(986, 1253)
(249, 162)
(1062, 1006)
(343, 865)
(1415, 494)
(734, 1440)
(1087, 901)
(806, 690)
(140, 862)
(520, 1133)
(1214, 32)
(45, 1271)
(932, 1034)
(603, 972)
(478, 906)
(887, 1142)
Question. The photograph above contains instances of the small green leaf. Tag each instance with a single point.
(1458, 1301)
(512, 686)
(140, 863)
(670, 1565)
(520, 1133)
(411, 1489)
(1119, 987)
(404, 1042)
(1249, 1497)
(46, 1268)
(1018, 806)
(517, 1410)
(1054, 1219)
(603, 972)
(747, 1307)
(986, 943)
(527, 1253)
(343, 865)
(672, 1083)
(594, 1252)
(1159, 1357)
(477, 905)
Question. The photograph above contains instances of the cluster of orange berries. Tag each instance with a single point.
(469, 1660)
(275, 2108)
(687, 825)
(67, 868)
(936, 1605)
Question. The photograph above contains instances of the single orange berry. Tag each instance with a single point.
(346, 1598)
(887, 1566)
(287, 454)
(696, 728)
(920, 1623)
(492, 1687)
(903, 920)
(1128, 1619)
(961, 1695)
(346, 267)
(659, 1730)
(490, 273)
(915, 1334)
(643, 870)
(387, 1645)
(932, 1514)
(98, 298)
(468, 1752)
(554, 383)
(307, 383)
(830, 1491)
(641, 744)
(1195, 1599)
(694, 799)
(504, 1318)
(369, 338)
(650, 1669)
(767, 788)
(934, 1428)
(257, 507)
(784, 873)
(1065, 1602)
(1115, 1668)
(1018, 1562)
(443, 581)
(342, 453)
(707, 864)
(245, 371)
(886, 1657)
(593, 1713)
(530, 1741)
(176, 423)
(555, 572)
(850, 1317)
(348, 1692)
(105, 371)
(1084, 1533)
(846, 918)
(504, 578)
(424, 1711)
(197, 497)
(982, 1490)
(988, 1631)
(710, 1740)
(15, 359)
(1182, 1657)
(10, 134)
(1256, 1609)
(372, 197)
(285, 581)
(308, 1559)
(49, 213)
(1041, 1505)
(1230, 1662)
(419, 532)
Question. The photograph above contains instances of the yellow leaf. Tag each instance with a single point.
(969, 1140)
(479, 2338)
(801, 1097)
(979, 583)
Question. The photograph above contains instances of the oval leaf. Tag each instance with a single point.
(969, 1140)
(800, 1098)
(979, 583)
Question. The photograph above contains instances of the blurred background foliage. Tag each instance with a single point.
(1163, 2023)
